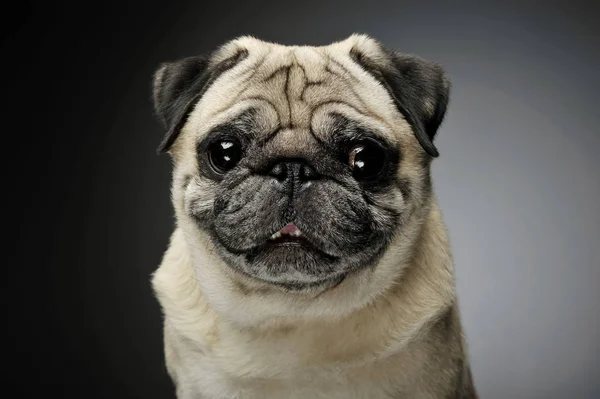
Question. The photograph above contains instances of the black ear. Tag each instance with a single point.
(179, 85)
(419, 88)
(175, 86)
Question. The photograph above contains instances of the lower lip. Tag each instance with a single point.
(289, 241)
(294, 244)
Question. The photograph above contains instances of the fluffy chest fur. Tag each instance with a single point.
(238, 369)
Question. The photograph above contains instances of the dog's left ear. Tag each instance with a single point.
(420, 89)
(179, 85)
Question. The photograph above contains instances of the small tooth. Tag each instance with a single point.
(276, 236)
(296, 233)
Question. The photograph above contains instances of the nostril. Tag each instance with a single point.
(308, 173)
(279, 171)
(294, 171)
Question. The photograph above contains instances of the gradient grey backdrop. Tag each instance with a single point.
(517, 180)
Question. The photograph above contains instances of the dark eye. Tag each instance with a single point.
(224, 155)
(367, 161)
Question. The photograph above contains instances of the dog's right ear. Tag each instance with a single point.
(176, 84)
(179, 85)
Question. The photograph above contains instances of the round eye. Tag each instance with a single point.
(367, 161)
(224, 155)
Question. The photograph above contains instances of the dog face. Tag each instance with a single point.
(297, 167)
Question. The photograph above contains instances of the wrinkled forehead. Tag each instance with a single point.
(297, 87)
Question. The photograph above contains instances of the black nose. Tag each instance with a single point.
(293, 172)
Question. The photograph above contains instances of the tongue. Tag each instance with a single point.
(289, 229)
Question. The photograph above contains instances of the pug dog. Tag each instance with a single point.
(309, 258)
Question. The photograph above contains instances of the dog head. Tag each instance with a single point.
(297, 168)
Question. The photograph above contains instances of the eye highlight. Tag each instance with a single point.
(367, 161)
(224, 155)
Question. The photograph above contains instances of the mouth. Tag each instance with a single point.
(290, 236)
(290, 233)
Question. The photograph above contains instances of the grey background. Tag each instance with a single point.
(517, 180)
